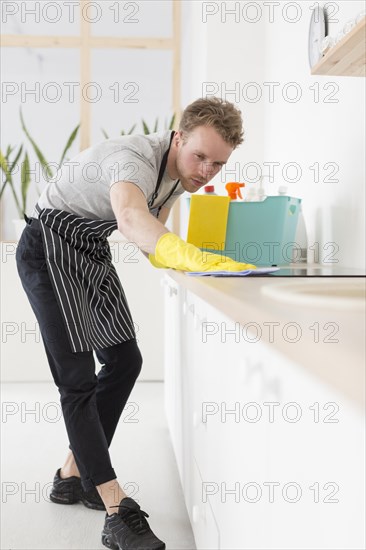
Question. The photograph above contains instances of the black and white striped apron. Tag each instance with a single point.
(85, 282)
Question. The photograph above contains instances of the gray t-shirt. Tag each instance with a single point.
(81, 185)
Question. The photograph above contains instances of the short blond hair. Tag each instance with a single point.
(221, 115)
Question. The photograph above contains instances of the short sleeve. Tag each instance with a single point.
(129, 166)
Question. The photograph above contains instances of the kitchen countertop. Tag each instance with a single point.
(340, 364)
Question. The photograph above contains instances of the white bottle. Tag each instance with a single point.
(282, 190)
(251, 196)
(300, 252)
(261, 192)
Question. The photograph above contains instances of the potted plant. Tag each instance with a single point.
(145, 127)
(10, 164)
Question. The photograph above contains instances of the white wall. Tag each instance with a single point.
(306, 132)
(311, 132)
(126, 84)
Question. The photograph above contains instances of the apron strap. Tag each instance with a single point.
(168, 197)
(161, 172)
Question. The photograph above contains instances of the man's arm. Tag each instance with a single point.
(139, 226)
(133, 216)
(164, 214)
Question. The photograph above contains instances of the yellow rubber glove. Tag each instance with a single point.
(155, 263)
(172, 251)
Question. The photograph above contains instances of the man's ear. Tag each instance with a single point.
(179, 138)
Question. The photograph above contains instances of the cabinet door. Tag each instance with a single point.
(273, 443)
(188, 383)
(230, 441)
(280, 454)
(204, 525)
(172, 360)
(317, 458)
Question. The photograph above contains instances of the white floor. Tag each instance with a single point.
(34, 444)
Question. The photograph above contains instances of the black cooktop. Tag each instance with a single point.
(318, 271)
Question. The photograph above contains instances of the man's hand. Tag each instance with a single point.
(172, 251)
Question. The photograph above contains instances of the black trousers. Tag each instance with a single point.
(91, 404)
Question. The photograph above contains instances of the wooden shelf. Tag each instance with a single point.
(348, 57)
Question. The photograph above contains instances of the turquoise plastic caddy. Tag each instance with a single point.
(262, 233)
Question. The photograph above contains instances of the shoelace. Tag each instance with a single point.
(135, 519)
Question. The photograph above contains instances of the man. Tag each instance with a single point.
(65, 266)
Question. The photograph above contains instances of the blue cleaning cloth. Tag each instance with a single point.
(258, 271)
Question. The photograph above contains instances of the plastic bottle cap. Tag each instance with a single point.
(209, 189)
(282, 190)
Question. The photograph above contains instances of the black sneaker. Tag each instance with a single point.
(70, 491)
(128, 529)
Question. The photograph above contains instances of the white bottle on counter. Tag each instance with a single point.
(251, 195)
(301, 238)
(261, 192)
(282, 190)
(300, 251)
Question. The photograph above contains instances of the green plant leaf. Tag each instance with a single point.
(8, 151)
(7, 165)
(145, 127)
(171, 125)
(38, 152)
(105, 133)
(14, 162)
(10, 166)
(69, 143)
(123, 133)
(156, 125)
(25, 181)
(4, 166)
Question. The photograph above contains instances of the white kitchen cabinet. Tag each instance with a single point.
(323, 452)
(225, 448)
(188, 363)
(242, 469)
(204, 524)
(172, 367)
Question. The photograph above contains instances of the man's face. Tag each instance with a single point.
(200, 157)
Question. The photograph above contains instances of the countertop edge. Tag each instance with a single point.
(342, 367)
